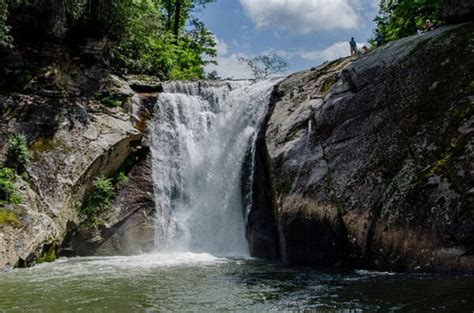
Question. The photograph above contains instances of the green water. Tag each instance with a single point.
(200, 282)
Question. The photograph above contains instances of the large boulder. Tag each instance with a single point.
(370, 159)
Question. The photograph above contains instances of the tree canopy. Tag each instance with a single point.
(159, 37)
(401, 18)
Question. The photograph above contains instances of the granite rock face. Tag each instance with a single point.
(74, 136)
(370, 159)
(128, 226)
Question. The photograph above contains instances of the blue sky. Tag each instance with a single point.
(305, 32)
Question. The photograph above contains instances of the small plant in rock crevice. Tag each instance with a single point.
(121, 178)
(8, 190)
(109, 100)
(18, 156)
(48, 255)
(104, 190)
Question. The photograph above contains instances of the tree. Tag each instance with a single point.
(157, 37)
(213, 75)
(5, 38)
(177, 12)
(401, 18)
(203, 40)
(263, 66)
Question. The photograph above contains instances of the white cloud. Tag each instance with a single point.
(335, 51)
(229, 66)
(221, 47)
(302, 16)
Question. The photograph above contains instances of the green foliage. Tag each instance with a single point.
(149, 45)
(176, 12)
(5, 39)
(263, 66)
(18, 156)
(8, 191)
(9, 218)
(152, 38)
(401, 18)
(121, 178)
(48, 255)
(156, 37)
(104, 190)
(110, 101)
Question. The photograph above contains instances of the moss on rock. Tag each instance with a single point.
(8, 217)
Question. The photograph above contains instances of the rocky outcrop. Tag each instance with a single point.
(127, 227)
(370, 159)
(76, 132)
(261, 228)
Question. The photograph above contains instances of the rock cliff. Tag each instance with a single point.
(370, 160)
(81, 122)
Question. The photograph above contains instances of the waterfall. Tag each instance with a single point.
(200, 134)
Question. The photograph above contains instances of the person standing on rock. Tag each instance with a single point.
(378, 37)
(353, 45)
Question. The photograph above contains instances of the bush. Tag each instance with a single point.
(104, 190)
(8, 191)
(48, 255)
(18, 157)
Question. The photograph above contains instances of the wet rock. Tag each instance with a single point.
(261, 227)
(144, 84)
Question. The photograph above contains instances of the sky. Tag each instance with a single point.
(304, 32)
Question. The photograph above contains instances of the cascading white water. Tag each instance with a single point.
(199, 136)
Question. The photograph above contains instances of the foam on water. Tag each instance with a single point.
(90, 266)
(373, 273)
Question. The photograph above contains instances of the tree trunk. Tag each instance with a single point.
(177, 18)
(169, 14)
